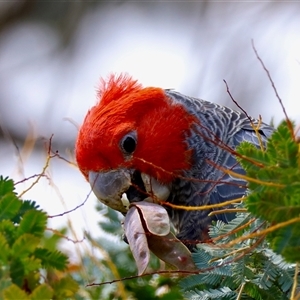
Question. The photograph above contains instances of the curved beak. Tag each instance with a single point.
(110, 187)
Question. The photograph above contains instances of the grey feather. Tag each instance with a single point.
(219, 130)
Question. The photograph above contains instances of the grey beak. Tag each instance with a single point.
(109, 187)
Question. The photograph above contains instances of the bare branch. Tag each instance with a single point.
(275, 90)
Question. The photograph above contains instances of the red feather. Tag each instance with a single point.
(161, 125)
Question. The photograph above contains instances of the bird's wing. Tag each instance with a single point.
(235, 188)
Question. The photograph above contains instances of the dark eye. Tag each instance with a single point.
(128, 143)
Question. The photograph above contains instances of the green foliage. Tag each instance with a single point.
(242, 263)
(275, 193)
(25, 260)
(251, 271)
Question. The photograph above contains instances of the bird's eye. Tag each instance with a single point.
(128, 143)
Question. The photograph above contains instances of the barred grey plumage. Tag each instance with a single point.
(220, 127)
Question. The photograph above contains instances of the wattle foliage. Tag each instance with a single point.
(275, 196)
(255, 256)
(25, 261)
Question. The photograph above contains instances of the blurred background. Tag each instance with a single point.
(52, 55)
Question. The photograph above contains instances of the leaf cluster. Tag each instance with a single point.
(25, 260)
(274, 184)
(255, 255)
(243, 271)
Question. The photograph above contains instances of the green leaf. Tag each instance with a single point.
(14, 292)
(192, 282)
(282, 148)
(286, 279)
(267, 279)
(8, 229)
(221, 293)
(6, 186)
(33, 280)
(242, 271)
(275, 191)
(25, 206)
(33, 222)
(65, 288)
(24, 245)
(4, 252)
(9, 206)
(5, 282)
(273, 206)
(17, 271)
(285, 241)
(272, 293)
(31, 264)
(44, 291)
(52, 259)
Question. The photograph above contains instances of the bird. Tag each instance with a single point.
(138, 142)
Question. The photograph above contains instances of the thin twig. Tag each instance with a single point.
(255, 128)
(203, 207)
(58, 233)
(234, 230)
(236, 103)
(73, 209)
(164, 272)
(263, 232)
(295, 283)
(275, 90)
(49, 156)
